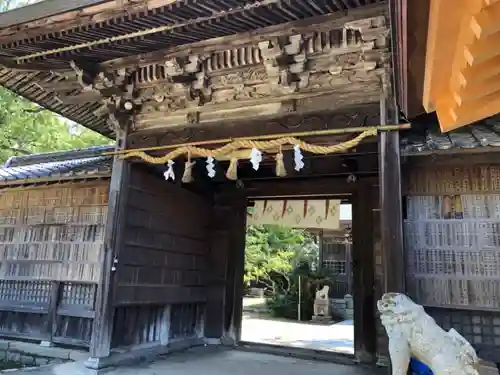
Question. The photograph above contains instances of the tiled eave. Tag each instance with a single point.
(483, 136)
(60, 166)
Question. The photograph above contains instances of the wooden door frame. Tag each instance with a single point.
(363, 275)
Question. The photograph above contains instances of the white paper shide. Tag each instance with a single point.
(169, 173)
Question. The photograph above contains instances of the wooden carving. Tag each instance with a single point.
(297, 73)
(112, 90)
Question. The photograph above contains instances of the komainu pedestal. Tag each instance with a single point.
(413, 333)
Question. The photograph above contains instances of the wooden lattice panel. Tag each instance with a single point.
(25, 292)
(78, 294)
(453, 250)
(53, 233)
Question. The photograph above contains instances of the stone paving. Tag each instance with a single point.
(259, 327)
(212, 361)
(217, 361)
(335, 337)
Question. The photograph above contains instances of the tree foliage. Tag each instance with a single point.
(284, 260)
(272, 252)
(26, 128)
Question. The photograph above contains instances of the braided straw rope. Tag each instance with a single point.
(194, 151)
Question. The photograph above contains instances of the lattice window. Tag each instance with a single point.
(78, 294)
(336, 266)
(334, 255)
(333, 249)
(25, 291)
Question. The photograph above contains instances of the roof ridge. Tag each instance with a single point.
(58, 156)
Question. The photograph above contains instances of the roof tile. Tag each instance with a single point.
(75, 163)
(429, 138)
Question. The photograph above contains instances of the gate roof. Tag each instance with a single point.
(38, 42)
(55, 166)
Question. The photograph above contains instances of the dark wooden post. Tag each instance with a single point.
(348, 266)
(55, 295)
(321, 257)
(391, 212)
(227, 262)
(236, 267)
(365, 333)
(102, 331)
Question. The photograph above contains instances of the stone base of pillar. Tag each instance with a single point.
(383, 360)
(364, 357)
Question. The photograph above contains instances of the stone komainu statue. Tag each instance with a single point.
(413, 333)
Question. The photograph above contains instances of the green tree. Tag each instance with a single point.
(26, 128)
(272, 252)
(285, 260)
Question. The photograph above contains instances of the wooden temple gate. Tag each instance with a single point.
(164, 76)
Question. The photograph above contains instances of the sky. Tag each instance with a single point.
(12, 4)
(345, 212)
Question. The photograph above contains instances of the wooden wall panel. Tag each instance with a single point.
(51, 240)
(452, 245)
(164, 250)
(452, 236)
(53, 233)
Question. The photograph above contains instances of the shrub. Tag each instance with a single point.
(284, 301)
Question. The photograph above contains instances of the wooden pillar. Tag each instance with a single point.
(102, 331)
(348, 266)
(236, 267)
(55, 297)
(321, 246)
(365, 334)
(217, 264)
(226, 262)
(391, 212)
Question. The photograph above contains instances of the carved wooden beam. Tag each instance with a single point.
(306, 26)
(277, 75)
(332, 65)
(112, 90)
(362, 115)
